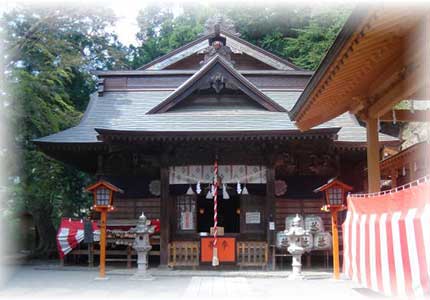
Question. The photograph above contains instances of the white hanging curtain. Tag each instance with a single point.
(229, 173)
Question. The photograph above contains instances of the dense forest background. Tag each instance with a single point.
(49, 53)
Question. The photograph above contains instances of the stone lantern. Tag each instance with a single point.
(295, 234)
(142, 246)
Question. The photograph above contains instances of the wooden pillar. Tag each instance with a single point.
(393, 174)
(164, 215)
(373, 171)
(409, 167)
(129, 257)
(269, 210)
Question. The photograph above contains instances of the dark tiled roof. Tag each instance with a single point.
(128, 111)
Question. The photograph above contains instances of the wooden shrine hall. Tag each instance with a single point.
(155, 132)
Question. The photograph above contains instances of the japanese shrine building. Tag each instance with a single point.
(156, 131)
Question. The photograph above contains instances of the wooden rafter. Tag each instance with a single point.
(408, 84)
(365, 68)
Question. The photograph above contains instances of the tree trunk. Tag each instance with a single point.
(47, 245)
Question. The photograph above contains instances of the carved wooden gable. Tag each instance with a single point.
(218, 79)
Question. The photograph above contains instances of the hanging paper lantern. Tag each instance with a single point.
(238, 188)
(198, 188)
(225, 195)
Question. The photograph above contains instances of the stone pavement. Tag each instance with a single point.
(53, 282)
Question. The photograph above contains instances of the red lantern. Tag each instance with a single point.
(335, 194)
(103, 193)
(335, 198)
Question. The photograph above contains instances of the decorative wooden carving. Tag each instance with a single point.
(217, 45)
(280, 188)
(217, 82)
(286, 162)
(324, 165)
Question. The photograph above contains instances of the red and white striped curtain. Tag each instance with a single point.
(71, 233)
(387, 240)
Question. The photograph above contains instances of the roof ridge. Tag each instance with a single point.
(229, 35)
(268, 53)
(177, 50)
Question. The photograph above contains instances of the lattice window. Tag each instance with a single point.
(335, 196)
(186, 217)
(103, 196)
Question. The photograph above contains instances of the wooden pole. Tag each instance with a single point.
(165, 215)
(373, 171)
(103, 217)
(270, 211)
(411, 167)
(335, 244)
(393, 178)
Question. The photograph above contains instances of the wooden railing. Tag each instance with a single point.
(184, 254)
(118, 250)
(252, 254)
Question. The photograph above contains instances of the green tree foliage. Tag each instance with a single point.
(313, 41)
(50, 52)
(161, 32)
(298, 33)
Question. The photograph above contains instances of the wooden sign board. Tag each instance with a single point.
(226, 249)
(220, 231)
(252, 217)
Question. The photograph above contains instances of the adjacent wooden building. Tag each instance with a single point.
(380, 58)
(155, 132)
